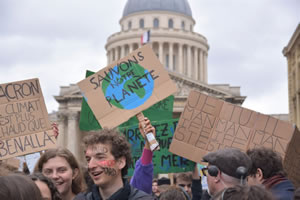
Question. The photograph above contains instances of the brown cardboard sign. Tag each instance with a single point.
(208, 124)
(24, 123)
(127, 87)
(291, 162)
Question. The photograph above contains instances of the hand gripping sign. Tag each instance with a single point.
(127, 87)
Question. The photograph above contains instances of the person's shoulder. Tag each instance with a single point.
(284, 185)
(84, 196)
(139, 194)
(283, 190)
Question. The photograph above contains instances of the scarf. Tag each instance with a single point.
(270, 182)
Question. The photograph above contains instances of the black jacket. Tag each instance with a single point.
(126, 193)
(196, 189)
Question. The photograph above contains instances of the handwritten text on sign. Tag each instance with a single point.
(127, 87)
(22, 113)
(208, 124)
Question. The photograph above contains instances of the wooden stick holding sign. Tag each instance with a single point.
(148, 136)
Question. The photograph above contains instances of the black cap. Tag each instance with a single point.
(228, 161)
(163, 181)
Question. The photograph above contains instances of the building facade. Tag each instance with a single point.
(182, 51)
(292, 53)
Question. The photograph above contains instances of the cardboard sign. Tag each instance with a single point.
(24, 123)
(127, 87)
(291, 162)
(163, 160)
(162, 110)
(208, 124)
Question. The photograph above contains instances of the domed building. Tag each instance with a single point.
(182, 51)
(172, 37)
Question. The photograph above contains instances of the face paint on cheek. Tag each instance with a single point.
(110, 171)
(107, 166)
(107, 163)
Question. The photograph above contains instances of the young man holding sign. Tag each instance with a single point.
(108, 156)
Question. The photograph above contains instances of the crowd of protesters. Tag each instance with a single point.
(231, 174)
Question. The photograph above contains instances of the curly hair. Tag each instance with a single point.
(78, 184)
(40, 177)
(119, 145)
(267, 160)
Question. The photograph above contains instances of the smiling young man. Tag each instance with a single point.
(108, 156)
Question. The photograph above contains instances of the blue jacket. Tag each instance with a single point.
(283, 190)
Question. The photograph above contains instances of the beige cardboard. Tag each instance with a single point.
(22, 112)
(110, 115)
(208, 124)
(27, 144)
(291, 162)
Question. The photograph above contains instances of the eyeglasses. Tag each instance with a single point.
(204, 171)
(187, 185)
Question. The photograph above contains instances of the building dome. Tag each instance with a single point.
(178, 6)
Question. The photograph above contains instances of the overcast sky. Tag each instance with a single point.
(57, 40)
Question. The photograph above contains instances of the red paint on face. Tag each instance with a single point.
(106, 163)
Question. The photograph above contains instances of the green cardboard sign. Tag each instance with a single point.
(88, 121)
(163, 160)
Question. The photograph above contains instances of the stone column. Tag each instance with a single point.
(201, 63)
(113, 55)
(61, 140)
(196, 66)
(205, 66)
(73, 143)
(117, 57)
(122, 51)
(160, 52)
(189, 58)
(110, 56)
(130, 48)
(171, 56)
(180, 59)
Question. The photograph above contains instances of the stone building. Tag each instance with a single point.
(182, 51)
(292, 53)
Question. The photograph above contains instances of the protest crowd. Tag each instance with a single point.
(112, 172)
(231, 174)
